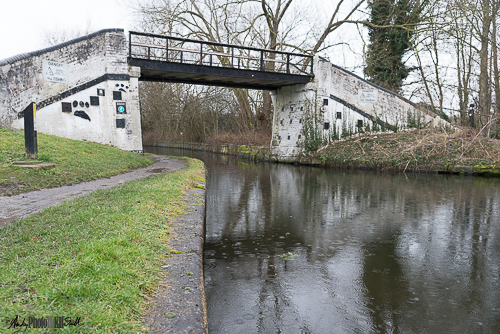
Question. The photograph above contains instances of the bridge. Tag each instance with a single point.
(88, 89)
(181, 60)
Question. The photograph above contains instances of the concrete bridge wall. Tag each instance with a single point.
(90, 75)
(338, 103)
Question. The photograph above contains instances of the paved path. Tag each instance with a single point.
(16, 207)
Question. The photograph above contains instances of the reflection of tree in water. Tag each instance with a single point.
(253, 191)
(428, 244)
(360, 205)
(386, 287)
(433, 274)
(271, 289)
(256, 186)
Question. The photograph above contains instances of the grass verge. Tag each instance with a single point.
(96, 257)
(76, 161)
(425, 150)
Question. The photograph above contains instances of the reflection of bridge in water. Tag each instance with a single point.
(181, 60)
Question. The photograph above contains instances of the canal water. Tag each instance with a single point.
(295, 249)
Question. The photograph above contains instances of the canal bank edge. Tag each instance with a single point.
(246, 152)
(254, 153)
(180, 305)
(262, 153)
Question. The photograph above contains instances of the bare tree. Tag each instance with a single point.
(479, 15)
(455, 52)
(273, 17)
(180, 112)
(496, 73)
(210, 20)
(240, 22)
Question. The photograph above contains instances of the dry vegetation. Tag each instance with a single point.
(424, 150)
(251, 138)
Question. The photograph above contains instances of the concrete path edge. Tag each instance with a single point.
(180, 306)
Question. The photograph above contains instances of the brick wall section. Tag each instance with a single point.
(389, 107)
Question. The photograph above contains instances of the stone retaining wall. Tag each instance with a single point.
(256, 153)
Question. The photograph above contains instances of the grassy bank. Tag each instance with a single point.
(425, 150)
(76, 162)
(96, 257)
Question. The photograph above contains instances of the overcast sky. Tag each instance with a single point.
(25, 23)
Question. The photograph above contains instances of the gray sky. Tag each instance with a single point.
(25, 23)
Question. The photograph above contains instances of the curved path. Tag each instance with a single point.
(16, 207)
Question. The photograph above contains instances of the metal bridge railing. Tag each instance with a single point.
(189, 51)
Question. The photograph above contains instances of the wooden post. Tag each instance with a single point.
(30, 130)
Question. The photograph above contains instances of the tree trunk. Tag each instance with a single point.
(246, 110)
(273, 21)
(267, 111)
(495, 67)
(484, 98)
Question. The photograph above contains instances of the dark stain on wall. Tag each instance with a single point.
(82, 114)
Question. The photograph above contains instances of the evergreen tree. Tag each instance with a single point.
(384, 60)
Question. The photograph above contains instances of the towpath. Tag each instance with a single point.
(179, 305)
(16, 207)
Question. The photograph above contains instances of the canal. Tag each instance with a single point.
(296, 249)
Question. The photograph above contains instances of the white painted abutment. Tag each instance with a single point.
(336, 104)
(84, 90)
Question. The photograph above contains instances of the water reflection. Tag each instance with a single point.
(377, 253)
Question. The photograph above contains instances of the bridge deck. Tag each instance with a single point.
(172, 59)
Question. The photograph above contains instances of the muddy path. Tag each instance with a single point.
(16, 207)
